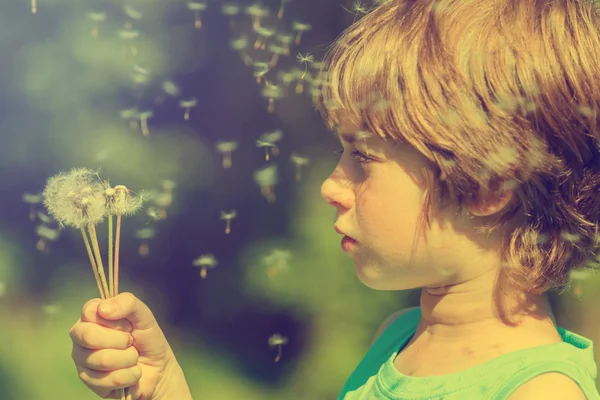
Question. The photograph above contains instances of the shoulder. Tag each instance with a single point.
(388, 321)
(549, 386)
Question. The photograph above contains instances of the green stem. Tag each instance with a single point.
(94, 239)
(117, 247)
(110, 257)
(94, 268)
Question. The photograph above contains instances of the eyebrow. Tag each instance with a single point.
(348, 137)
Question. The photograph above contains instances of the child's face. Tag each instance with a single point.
(379, 205)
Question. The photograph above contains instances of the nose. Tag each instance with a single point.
(336, 190)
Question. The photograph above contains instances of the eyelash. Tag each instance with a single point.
(358, 156)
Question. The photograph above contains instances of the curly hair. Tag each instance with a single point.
(496, 95)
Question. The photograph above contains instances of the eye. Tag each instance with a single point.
(358, 156)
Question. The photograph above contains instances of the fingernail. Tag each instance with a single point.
(108, 307)
(130, 341)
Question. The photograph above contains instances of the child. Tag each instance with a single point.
(471, 169)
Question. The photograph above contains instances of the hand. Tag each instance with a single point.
(123, 348)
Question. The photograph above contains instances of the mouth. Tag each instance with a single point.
(341, 232)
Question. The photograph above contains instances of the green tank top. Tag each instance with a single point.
(376, 378)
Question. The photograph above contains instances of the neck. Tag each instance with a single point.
(468, 312)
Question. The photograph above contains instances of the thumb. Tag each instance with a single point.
(127, 306)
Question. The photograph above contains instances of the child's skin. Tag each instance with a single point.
(106, 361)
(378, 204)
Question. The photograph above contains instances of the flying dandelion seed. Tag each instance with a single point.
(277, 51)
(268, 139)
(32, 200)
(267, 178)
(205, 261)
(46, 235)
(358, 9)
(299, 161)
(171, 88)
(44, 218)
(145, 234)
(260, 69)
(282, 8)
(155, 214)
(130, 35)
(266, 145)
(286, 77)
(300, 28)
(97, 17)
(168, 185)
(132, 12)
(187, 105)
(277, 340)
(144, 116)
(240, 44)
(286, 40)
(257, 11)
(263, 33)
(131, 114)
(226, 147)
(228, 217)
(197, 7)
(230, 10)
(298, 74)
(305, 59)
(277, 262)
(272, 92)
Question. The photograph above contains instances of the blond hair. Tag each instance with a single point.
(495, 94)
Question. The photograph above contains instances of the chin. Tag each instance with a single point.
(373, 277)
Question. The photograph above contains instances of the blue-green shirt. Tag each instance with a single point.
(376, 378)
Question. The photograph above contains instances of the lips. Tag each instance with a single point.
(341, 232)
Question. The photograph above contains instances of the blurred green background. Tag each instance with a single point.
(74, 74)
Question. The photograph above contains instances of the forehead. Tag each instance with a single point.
(350, 132)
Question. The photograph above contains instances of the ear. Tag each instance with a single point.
(489, 203)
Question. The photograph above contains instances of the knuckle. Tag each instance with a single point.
(86, 336)
(103, 360)
(128, 298)
(124, 378)
(135, 356)
(90, 304)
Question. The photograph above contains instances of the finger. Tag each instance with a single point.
(90, 313)
(106, 359)
(105, 382)
(95, 337)
(128, 306)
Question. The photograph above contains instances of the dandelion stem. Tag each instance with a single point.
(96, 247)
(117, 243)
(111, 284)
(89, 250)
(123, 394)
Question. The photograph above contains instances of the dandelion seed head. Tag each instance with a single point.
(74, 199)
